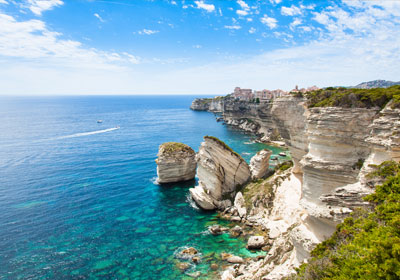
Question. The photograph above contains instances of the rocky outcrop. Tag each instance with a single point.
(221, 173)
(201, 104)
(208, 104)
(259, 164)
(176, 162)
(240, 205)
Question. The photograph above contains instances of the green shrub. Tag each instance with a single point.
(365, 245)
(354, 98)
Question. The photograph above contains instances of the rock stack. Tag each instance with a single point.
(221, 173)
(176, 162)
(259, 164)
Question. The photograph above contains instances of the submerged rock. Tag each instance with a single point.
(221, 173)
(189, 251)
(182, 266)
(259, 164)
(215, 230)
(255, 242)
(176, 162)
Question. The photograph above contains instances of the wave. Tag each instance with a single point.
(85, 133)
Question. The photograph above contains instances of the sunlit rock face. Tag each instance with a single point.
(259, 164)
(221, 173)
(176, 162)
(289, 114)
(337, 150)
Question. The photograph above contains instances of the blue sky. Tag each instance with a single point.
(61, 47)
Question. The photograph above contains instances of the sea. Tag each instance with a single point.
(78, 197)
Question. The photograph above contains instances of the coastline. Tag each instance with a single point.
(333, 149)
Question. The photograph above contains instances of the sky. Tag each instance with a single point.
(202, 47)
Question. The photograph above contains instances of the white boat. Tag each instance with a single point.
(282, 154)
(99, 121)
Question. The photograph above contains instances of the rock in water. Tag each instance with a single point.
(259, 164)
(235, 259)
(221, 173)
(176, 162)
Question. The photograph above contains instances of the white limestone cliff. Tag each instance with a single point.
(221, 173)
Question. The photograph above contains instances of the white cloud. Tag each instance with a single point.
(3, 2)
(295, 22)
(174, 3)
(32, 40)
(291, 11)
(252, 30)
(147, 32)
(234, 27)
(39, 6)
(275, 1)
(242, 12)
(269, 21)
(99, 17)
(243, 5)
(208, 7)
(197, 46)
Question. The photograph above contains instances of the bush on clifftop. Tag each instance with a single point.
(365, 245)
(354, 98)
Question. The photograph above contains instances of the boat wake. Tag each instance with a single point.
(85, 133)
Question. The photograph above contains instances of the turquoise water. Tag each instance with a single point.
(77, 198)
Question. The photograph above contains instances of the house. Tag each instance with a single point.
(243, 94)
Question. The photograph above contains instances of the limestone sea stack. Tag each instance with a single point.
(221, 173)
(176, 162)
(259, 164)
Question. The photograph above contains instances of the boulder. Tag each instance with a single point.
(189, 251)
(240, 205)
(235, 259)
(236, 231)
(259, 164)
(215, 229)
(176, 162)
(255, 242)
(202, 199)
(221, 173)
(196, 259)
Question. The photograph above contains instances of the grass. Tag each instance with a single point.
(354, 98)
(173, 147)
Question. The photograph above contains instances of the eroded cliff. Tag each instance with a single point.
(332, 148)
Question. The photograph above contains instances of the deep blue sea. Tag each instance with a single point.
(78, 198)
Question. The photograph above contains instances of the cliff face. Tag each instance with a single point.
(221, 172)
(333, 149)
(251, 117)
(208, 104)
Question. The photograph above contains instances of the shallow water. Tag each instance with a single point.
(78, 198)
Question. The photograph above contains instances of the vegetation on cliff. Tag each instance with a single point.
(174, 147)
(354, 98)
(365, 245)
(222, 143)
